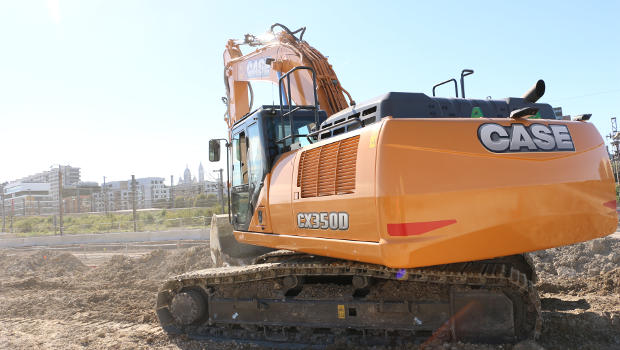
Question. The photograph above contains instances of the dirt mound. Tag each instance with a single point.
(111, 306)
(33, 283)
(607, 283)
(45, 262)
(67, 262)
(181, 261)
(157, 265)
(586, 259)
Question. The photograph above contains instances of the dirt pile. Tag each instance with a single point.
(586, 259)
(155, 266)
(579, 287)
(44, 262)
(109, 306)
(112, 305)
(606, 284)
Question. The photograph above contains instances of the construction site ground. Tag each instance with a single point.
(101, 296)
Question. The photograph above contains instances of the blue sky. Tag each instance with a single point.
(134, 87)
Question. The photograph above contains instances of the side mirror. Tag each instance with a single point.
(214, 150)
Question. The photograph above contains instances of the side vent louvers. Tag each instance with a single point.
(329, 169)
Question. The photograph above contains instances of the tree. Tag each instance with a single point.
(180, 202)
(201, 200)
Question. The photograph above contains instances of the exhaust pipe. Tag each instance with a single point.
(535, 92)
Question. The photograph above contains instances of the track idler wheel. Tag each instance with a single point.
(292, 285)
(188, 307)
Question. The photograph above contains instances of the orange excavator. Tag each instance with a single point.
(393, 220)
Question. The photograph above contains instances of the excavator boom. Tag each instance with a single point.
(277, 54)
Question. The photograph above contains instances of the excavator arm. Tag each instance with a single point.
(277, 54)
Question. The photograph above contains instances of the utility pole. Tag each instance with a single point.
(105, 197)
(220, 188)
(29, 198)
(3, 215)
(77, 187)
(171, 191)
(133, 201)
(12, 213)
(60, 199)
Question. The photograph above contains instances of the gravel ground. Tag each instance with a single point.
(103, 298)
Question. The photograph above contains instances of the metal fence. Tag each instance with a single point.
(101, 224)
(141, 225)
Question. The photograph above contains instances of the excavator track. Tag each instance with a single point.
(294, 298)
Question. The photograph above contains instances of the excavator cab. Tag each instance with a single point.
(257, 141)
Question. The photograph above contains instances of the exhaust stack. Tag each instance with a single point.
(535, 92)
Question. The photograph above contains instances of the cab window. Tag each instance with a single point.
(239, 164)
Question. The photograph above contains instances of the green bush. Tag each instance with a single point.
(172, 223)
(201, 200)
(180, 202)
(98, 222)
(149, 219)
(24, 226)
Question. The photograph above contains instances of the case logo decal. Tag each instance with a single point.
(323, 221)
(525, 138)
(258, 68)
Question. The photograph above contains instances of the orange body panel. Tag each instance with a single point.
(428, 192)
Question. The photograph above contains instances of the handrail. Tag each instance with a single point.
(464, 73)
(456, 89)
(292, 110)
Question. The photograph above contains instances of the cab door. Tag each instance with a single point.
(239, 194)
(248, 171)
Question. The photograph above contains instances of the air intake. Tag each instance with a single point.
(329, 169)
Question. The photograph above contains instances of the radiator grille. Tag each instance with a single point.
(329, 169)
